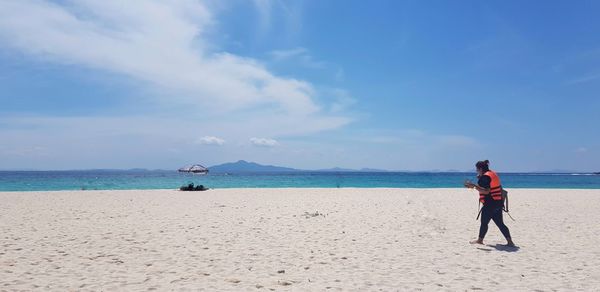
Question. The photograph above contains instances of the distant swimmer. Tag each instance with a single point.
(490, 195)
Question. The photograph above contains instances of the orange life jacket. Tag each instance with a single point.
(495, 187)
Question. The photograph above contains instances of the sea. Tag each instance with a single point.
(164, 179)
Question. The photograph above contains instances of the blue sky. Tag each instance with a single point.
(399, 85)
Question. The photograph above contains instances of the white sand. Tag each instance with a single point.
(261, 239)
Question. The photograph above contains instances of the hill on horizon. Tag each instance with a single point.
(248, 166)
(245, 166)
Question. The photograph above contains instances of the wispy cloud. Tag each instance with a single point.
(264, 142)
(210, 140)
(279, 55)
(300, 55)
(419, 138)
(583, 79)
(290, 20)
(342, 100)
(340, 75)
(263, 8)
(26, 151)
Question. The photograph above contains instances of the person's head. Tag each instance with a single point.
(482, 167)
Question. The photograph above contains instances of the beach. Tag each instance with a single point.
(295, 239)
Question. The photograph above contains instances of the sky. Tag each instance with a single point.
(395, 85)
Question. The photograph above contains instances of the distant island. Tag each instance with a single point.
(245, 166)
(242, 166)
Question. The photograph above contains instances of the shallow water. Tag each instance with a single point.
(122, 180)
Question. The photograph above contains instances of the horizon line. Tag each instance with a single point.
(304, 170)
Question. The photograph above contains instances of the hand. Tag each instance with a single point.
(469, 185)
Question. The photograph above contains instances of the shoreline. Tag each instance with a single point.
(295, 239)
(292, 188)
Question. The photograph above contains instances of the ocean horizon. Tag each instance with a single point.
(166, 179)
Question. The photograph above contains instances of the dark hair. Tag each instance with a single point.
(483, 165)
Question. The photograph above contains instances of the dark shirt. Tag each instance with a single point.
(485, 181)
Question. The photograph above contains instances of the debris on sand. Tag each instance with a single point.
(315, 214)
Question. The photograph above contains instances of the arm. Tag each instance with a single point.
(483, 187)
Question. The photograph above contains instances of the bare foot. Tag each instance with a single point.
(510, 243)
(477, 241)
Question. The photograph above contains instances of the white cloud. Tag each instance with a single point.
(264, 142)
(161, 43)
(210, 140)
(581, 150)
(189, 85)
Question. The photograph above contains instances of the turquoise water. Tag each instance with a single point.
(124, 180)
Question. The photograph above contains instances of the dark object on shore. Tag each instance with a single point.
(596, 173)
(191, 187)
